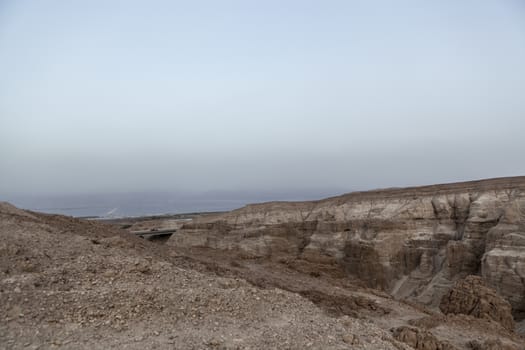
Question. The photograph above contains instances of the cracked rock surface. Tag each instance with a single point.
(471, 296)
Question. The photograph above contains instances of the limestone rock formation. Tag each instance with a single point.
(414, 242)
(471, 296)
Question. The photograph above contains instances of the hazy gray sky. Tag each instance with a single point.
(219, 95)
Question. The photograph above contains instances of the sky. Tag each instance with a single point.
(102, 96)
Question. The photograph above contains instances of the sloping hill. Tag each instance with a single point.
(67, 283)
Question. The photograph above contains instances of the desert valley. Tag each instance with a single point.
(433, 267)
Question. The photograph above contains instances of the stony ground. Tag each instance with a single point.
(82, 285)
(72, 284)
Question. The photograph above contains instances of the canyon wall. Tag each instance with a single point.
(413, 242)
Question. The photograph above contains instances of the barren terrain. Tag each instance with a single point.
(77, 284)
(67, 283)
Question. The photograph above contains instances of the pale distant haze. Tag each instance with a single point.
(268, 96)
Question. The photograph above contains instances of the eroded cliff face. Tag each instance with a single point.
(414, 243)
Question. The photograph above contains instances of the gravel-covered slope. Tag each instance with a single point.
(72, 284)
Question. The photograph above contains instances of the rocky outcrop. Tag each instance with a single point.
(414, 242)
(471, 296)
(420, 339)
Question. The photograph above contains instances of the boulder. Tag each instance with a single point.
(471, 296)
(420, 339)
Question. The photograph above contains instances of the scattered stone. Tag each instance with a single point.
(351, 339)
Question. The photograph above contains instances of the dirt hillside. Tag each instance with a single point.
(72, 284)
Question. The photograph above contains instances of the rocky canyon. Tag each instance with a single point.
(413, 243)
